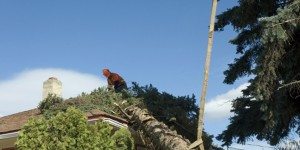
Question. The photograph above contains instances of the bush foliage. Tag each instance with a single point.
(70, 130)
(97, 99)
(50, 101)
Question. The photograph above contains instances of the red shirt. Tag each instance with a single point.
(115, 80)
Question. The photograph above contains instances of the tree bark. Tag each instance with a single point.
(162, 137)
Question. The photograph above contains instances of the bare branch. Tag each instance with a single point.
(289, 84)
(127, 116)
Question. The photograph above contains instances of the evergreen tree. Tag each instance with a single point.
(268, 44)
(179, 113)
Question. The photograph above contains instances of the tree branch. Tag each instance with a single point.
(290, 20)
(289, 84)
(127, 116)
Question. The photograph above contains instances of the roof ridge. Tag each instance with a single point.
(21, 112)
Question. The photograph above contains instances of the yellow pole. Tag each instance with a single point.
(206, 71)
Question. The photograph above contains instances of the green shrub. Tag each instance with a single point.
(123, 139)
(97, 99)
(50, 101)
(70, 130)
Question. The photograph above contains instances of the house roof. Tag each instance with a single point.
(14, 122)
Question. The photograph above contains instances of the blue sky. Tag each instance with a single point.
(147, 41)
(158, 42)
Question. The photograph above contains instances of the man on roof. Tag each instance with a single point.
(114, 81)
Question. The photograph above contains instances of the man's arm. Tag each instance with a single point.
(110, 85)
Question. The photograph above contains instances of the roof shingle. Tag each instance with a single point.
(14, 122)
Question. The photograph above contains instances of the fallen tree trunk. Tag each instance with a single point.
(162, 137)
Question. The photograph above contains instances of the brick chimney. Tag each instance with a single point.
(52, 86)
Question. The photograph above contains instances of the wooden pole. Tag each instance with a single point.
(206, 71)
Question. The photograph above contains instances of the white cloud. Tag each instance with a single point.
(219, 107)
(24, 91)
